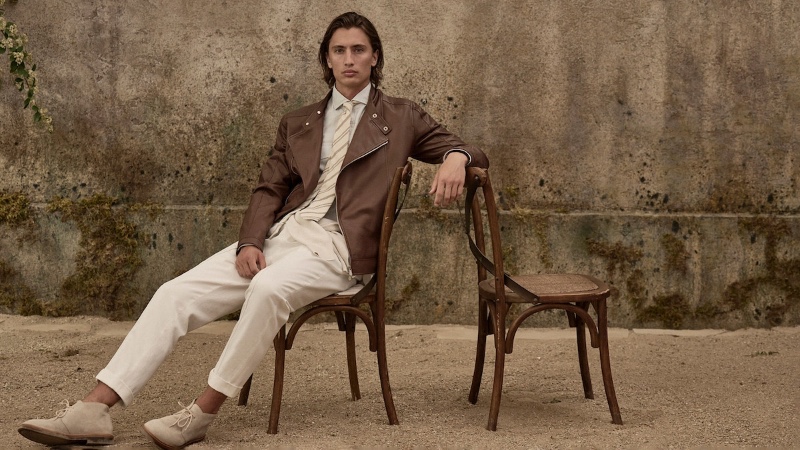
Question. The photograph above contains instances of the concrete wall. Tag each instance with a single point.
(651, 143)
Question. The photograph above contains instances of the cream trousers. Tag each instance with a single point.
(293, 278)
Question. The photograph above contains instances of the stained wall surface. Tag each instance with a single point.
(653, 144)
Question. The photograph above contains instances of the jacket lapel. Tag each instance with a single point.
(371, 132)
(306, 145)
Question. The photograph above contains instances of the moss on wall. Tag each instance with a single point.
(15, 296)
(509, 260)
(762, 300)
(637, 292)
(507, 197)
(15, 209)
(670, 310)
(108, 258)
(411, 288)
(675, 252)
(780, 277)
(16, 213)
(618, 254)
(426, 209)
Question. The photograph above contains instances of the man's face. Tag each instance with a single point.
(351, 58)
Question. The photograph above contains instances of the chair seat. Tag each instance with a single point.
(345, 297)
(352, 290)
(551, 288)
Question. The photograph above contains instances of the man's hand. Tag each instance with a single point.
(449, 180)
(250, 261)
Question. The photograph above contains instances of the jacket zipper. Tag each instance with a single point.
(336, 198)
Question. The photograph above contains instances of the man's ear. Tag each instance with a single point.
(327, 60)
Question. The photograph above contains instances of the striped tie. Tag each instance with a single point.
(325, 192)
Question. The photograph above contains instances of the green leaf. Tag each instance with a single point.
(19, 69)
(34, 67)
(18, 80)
(35, 109)
(27, 102)
(37, 117)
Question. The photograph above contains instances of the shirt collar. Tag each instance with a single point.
(337, 99)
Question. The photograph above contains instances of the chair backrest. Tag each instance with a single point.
(402, 176)
(477, 179)
(391, 210)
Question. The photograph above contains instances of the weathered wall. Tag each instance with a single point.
(651, 143)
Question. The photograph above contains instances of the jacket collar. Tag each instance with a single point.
(371, 133)
(372, 130)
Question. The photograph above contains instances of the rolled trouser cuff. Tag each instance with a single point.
(117, 385)
(222, 386)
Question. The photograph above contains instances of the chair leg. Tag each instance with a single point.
(277, 386)
(352, 368)
(383, 367)
(244, 394)
(499, 367)
(378, 318)
(480, 351)
(605, 362)
(583, 360)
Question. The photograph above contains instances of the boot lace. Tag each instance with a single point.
(63, 411)
(184, 417)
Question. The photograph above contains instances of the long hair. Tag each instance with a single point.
(350, 20)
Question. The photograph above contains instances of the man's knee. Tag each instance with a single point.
(168, 295)
(167, 290)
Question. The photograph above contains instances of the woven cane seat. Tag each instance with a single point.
(550, 288)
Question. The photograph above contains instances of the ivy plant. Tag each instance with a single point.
(14, 42)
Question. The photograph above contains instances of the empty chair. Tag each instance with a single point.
(573, 293)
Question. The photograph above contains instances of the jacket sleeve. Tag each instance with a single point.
(274, 184)
(433, 141)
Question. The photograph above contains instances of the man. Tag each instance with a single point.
(311, 229)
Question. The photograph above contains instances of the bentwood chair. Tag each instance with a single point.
(346, 306)
(571, 293)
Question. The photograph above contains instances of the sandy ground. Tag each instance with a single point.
(676, 389)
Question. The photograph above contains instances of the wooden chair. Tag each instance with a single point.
(572, 293)
(346, 307)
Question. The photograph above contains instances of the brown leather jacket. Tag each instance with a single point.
(390, 131)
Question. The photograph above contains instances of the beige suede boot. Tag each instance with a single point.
(78, 424)
(185, 427)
